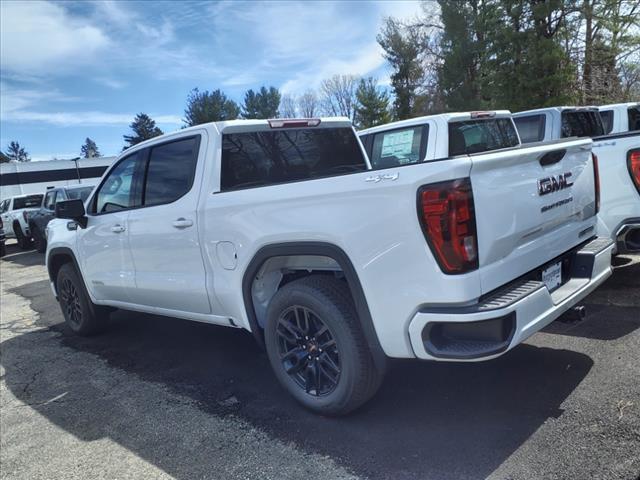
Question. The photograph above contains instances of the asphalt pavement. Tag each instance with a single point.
(157, 397)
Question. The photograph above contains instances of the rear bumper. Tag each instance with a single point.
(628, 236)
(510, 315)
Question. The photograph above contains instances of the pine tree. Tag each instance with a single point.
(204, 107)
(261, 104)
(403, 47)
(89, 149)
(144, 128)
(16, 153)
(372, 104)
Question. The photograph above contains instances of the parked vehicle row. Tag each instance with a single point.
(447, 242)
(26, 216)
(615, 130)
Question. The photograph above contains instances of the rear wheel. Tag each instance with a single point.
(316, 346)
(81, 315)
(24, 242)
(39, 242)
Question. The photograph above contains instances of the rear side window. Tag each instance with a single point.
(30, 201)
(607, 120)
(634, 118)
(398, 147)
(581, 123)
(170, 171)
(79, 193)
(475, 136)
(531, 128)
(255, 159)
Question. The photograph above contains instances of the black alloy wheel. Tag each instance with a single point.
(308, 351)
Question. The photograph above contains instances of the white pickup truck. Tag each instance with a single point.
(15, 217)
(620, 117)
(282, 228)
(619, 216)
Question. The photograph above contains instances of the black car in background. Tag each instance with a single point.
(38, 220)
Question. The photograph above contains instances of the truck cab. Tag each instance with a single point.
(620, 117)
(553, 123)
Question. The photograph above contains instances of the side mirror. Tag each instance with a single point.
(72, 210)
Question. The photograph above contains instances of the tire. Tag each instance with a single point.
(23, 242)
(39, 242)
(81, 315)
(303, 363)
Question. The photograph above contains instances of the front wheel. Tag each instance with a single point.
(316, 346)
(81, 315)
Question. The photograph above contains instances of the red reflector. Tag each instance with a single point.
(596, 180)
(294, 122)
(448, 220)
(633, 164)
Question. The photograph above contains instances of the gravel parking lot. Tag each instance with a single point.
(163, 398)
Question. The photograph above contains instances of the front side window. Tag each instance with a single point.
(476, 136)
(254, 159)
(50, 200)
(170, 171)
(30, 201)
(634, 118)
(531, 128)
(117, 192)
(397, 147)
(581, 123)
(607, 120)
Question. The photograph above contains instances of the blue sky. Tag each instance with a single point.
(77, 69)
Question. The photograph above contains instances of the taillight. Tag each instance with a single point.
(448, 220)
(596, 180)
(633, 164)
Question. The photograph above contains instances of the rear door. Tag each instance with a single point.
(163, 234)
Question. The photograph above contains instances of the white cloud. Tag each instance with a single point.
(84, 118)
(38, 37)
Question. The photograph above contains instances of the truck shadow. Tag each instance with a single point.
(25, 258)
(427, 421)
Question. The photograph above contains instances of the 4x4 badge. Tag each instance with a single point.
(379, 178)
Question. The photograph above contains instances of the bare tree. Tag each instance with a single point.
(339, 95)
(288, 106)
(308, 104)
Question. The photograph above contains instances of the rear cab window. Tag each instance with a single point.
(268, 157)
(633, 114)
(581, 123)
(30, 201)
(477, 136)
(398, 147)
(531, 128)
(607, 120)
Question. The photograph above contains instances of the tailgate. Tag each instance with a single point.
(532, 204)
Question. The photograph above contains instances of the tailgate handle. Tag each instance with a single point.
(552, 157)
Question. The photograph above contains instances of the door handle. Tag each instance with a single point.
(182, 223)
(118, 229)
